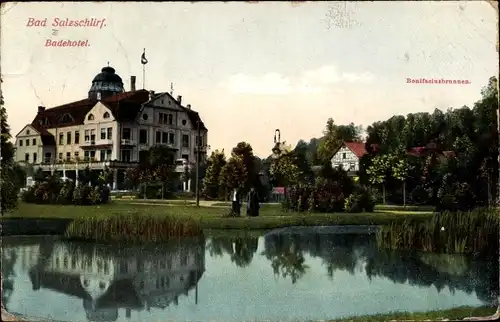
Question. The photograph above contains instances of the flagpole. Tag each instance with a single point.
(143, 75)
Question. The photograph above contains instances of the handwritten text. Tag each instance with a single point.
(65, 22)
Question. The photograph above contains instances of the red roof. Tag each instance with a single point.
(358, 148)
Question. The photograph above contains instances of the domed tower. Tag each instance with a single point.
(106, 83)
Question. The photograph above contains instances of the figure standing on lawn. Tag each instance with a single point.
(253, 203)
(236, 202)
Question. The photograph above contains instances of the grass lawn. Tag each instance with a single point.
(451, 314)
(212, 217)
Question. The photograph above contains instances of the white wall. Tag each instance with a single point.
(346, 158)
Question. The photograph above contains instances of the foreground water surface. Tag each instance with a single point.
(294, 274)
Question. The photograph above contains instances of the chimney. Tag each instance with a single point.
(188, 106)
(151, 94)
(132, 83)
(41, 109)
(98, 96)
(179, 99)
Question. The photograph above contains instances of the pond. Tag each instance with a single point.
(290, 274)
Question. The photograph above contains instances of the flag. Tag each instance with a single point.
(144, 61)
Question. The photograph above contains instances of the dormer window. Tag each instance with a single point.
(90, 117)
(66, 118)
(106, 115)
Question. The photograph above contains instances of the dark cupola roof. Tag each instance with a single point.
(106, 83)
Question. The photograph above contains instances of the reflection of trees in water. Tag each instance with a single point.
(240, 249)
(346, 252)
(9, 258)
(287, 259)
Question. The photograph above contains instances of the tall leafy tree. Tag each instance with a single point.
(234, 174)
(9, 178)
(333, 137)
(211, 182)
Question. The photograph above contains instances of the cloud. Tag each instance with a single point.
(268, 84)
(312, 81)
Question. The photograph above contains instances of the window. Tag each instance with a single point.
(68, 156)
(126, 155)
(109, 133)
(86, 155)
(87, 135)
(103, 134)
(145, 117)
(20, 142)
(105, 155)
(48, 157)
(158, 137)
(162, 118)
(77, 137)
(126, 133)
(68, 137)
(106, 115)
(60, 156)
(92, 155)
(164, 137)
(185, 141)
(185, 157)
(92, 135)
(199, 141)
(61, 139)
(143, 136)
(90, 117)
(343, 155)
(65, 119)
(33, 142)
(27, 132)
(77, 155)
(184, 122)
(34, 157)
(27, 157)
(171, 138)
(170, 119)
(27, 142)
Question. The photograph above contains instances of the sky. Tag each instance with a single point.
(252, 68)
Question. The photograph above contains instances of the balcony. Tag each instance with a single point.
(92, 163)
(129, 142)
(96, 143)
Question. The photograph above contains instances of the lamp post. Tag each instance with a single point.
(199, 146)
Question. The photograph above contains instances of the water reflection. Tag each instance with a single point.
(240, 249)
(324, 275)
(108, 278)
(358, 253)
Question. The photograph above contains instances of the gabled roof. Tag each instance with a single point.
(47, 138)
(194, 117)
(358, 148)
(124, 107)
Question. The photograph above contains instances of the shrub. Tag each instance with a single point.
(359, 201)
(66, 193)
(132, 228)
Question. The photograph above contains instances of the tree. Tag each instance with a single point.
(245, 152)
(379, 171)
(9, 188)
(284, 171)
(400, 171)
(234, 174)
(212, 181)
(163, 174)
(334, 136)
(106, 176)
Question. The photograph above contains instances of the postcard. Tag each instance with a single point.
(250, 161)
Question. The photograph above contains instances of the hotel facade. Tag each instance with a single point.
(111, 128)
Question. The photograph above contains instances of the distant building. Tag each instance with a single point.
(348, 156)
(110, 128)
